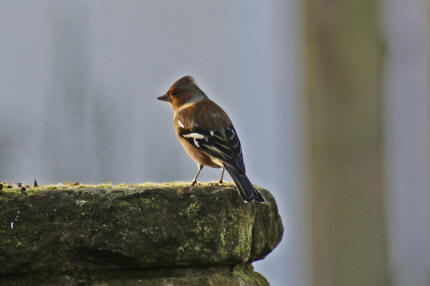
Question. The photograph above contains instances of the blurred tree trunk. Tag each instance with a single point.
(344, 60)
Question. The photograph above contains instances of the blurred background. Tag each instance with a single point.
(331, 99)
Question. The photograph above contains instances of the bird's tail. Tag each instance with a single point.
(246, 189)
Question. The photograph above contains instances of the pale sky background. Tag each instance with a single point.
(407, 120)
(78, 82)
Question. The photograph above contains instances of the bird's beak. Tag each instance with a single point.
(164, 97)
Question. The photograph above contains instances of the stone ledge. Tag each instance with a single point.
(180, 276)
(81, 228)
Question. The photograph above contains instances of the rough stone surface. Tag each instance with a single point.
(153, 234)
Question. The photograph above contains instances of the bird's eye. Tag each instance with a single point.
(174, 93)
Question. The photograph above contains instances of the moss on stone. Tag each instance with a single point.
(73, 228)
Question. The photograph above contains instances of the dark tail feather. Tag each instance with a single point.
(246, 189)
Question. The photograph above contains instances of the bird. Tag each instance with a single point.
(207, 134)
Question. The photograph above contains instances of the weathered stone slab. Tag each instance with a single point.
(52, 230)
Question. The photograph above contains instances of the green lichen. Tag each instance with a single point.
(14, 242)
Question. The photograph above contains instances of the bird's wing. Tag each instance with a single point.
(222, 144)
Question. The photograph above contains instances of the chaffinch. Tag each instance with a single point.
(207, 134)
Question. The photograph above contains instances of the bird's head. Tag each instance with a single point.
(183, 91)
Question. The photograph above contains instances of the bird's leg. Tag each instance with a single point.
(198, 172)
(222, 175)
